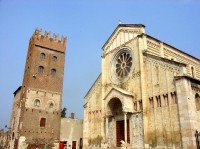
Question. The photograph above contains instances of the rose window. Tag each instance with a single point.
(123, 64)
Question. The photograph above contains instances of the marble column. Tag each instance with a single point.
(106, 127)
(125, 126)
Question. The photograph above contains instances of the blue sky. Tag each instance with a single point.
(87, 24)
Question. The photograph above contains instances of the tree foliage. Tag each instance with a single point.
(63, 112)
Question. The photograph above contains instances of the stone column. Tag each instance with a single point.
(106, 127)
(125, 127)
(187, 113)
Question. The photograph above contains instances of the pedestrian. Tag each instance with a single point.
(45, 147)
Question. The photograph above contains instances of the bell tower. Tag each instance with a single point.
(40, 96)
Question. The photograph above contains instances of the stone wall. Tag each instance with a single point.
(162, 110)
(164, 50)
(137, 132)
(93, 116)
(71, 130)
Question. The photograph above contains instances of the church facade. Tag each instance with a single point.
(146, 96)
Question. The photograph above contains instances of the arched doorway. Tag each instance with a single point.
(117, 123)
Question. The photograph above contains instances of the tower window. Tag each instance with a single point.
(41, 69)
(51, 105)
(42, 122)
(37, 102)
(42, 56)
(53, 72)
(54, 58)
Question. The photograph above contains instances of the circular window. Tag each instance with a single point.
(121, 65)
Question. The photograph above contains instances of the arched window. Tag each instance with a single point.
(51, 105)
(166, 100)
(192, 71)
(53, 72)
(41, 69)
(13, 135)
(42, 55)
(158, 101)
(197, 101)
(37, 102)
(54, 58)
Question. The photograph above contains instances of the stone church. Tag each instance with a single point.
(146, 96)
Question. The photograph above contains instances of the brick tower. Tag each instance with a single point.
(35, 119)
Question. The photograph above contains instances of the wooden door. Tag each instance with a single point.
(120, 132)
(73, 144)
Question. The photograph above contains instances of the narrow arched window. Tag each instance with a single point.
(197, 101)
(42, 55)
(54, 58)
(13, 135)
(41, 69)
(37, 102)
(53, 72)
(192, 71)
(51, 105)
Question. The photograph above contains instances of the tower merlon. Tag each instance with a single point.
(45, 40)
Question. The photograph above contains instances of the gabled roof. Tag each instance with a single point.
(123, 25)
(137, 26)
(118, 90)
(99, 77)
(171, 46)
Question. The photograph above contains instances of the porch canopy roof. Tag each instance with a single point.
(125, 98)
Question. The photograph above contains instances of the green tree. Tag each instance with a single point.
(63, 112)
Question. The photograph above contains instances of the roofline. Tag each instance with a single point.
(171, 46)
(93, 85)
(116, 89)
(163, 59)
(187, 77)
(19, 88)
(122, 25)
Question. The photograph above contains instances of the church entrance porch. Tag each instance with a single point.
(117, 124)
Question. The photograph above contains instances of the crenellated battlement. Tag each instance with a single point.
(47, 41)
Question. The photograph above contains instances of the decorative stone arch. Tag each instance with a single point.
(116, 95)
(114, 107)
